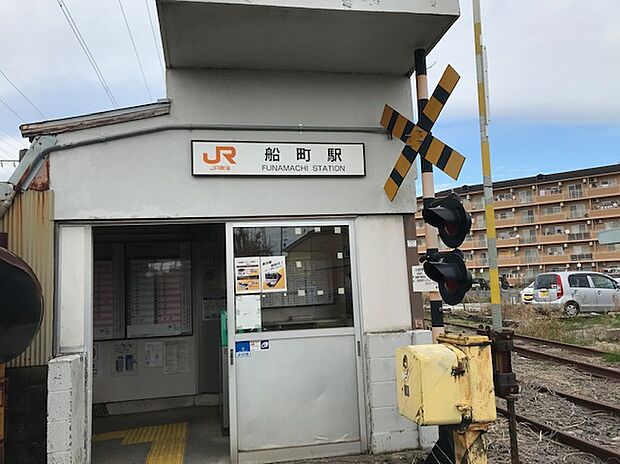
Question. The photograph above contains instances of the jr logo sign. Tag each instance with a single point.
(228, 153)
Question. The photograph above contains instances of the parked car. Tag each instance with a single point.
(573, 292)
(527, 294)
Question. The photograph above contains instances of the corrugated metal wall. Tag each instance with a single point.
(30, 226)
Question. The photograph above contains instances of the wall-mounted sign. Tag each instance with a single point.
(277, 159)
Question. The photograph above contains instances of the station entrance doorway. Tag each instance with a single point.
(186, 316)
(160, 382)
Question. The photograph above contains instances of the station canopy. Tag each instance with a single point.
(350, 36)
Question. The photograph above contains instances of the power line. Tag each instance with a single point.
(148, 90)
(78, 35)
(22, 94)
(21, 142)
(12, 110)
(155, 42)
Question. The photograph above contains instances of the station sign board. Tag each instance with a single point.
(229, 158)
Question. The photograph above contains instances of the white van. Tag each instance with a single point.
(573, 292)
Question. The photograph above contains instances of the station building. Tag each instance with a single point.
(224, 276)
(545, 223)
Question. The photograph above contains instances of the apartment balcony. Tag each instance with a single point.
(505, 222)
(477, 206)
(580, 236)
(554, 259)
(420, 231)
(527, 219)
(550, 198)
(531, 259)
(480, 262)
(602, 191)
(607, 255)
(605, 212)
(552, 238)
(553, 217)
(504, 203)
(509, 260)
(507, 241)
(528, 239)
(581, 257)
(581, 214)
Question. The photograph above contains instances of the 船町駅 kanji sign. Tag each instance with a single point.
(277, 159)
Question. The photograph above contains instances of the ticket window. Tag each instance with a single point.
(302, 276)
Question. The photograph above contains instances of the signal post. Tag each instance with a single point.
(428, 191)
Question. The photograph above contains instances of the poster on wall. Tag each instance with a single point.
(273, 274)
(176, 356)
(248, 312)
(124, 359)
(247, 275)
(153, 354)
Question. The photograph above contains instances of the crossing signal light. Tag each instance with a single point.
(448, 268)
(449, 271)
(450, 218)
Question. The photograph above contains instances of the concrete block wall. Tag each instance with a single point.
(66, 410)
(388, 430)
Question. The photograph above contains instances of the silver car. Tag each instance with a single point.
(574, 291)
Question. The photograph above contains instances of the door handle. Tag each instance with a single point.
(599, 292)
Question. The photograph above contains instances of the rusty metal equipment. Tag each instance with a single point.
(504, 379)
(450, 383)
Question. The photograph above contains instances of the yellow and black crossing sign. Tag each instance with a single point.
(418, 138)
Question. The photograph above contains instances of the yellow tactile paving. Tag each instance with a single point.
(168, 441)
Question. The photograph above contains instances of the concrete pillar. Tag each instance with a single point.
(69, 375)
(67, 423)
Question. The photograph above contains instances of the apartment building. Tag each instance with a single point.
(548, 222)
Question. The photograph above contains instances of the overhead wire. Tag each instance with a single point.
(22, 94)
(21, 142)
(78, 35)
(135, 49)
(17, 115)
(155, 42)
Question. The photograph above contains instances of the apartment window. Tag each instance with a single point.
(525, 196)
(531, 255)
(615, 224)
(605, 183)
(550, 190)
(419, 224)
(607, 204)
(555, 251)
(505, 215)
(506, 234)
(553, 230)
(548, 210)
(575, 191)
(613, 247)
(503, 196)
(527, 216)
(577, 211)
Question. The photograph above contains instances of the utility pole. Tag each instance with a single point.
(487, 181)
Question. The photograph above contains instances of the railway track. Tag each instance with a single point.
(599, 371)
(605, 454)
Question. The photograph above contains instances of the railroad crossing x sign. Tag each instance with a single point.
(418, 138)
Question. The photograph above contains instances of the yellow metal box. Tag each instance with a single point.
(448, 382)
(427, 393)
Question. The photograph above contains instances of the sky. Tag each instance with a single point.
(553, 69)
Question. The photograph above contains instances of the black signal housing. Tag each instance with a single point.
(449, 271)
(448, 215)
